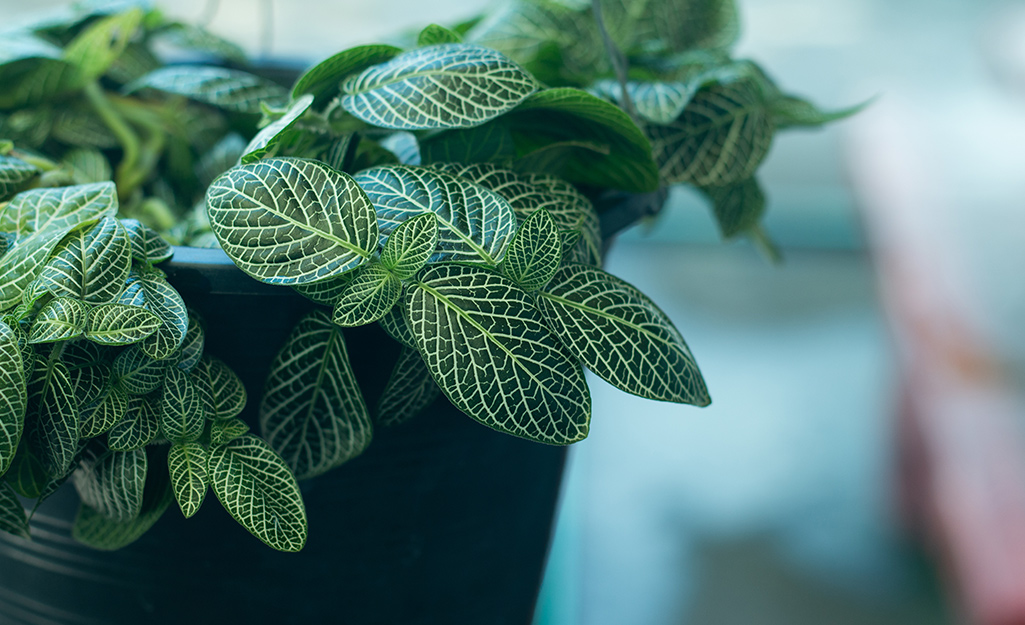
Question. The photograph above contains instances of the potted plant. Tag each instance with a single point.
(441, 203)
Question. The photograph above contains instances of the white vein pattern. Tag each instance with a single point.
(620, 335)
(102, 414)
(227, 395)
(409, 391)
(12, 514)
(256, 487)
(93, 529)
(370, 295)
(451, 85)
(229, 89)
(151, 291)
(146, 244)
(474, 223)
(323, 79)
(656, 102)
(192, 344)
(138, 428)
(88, 370)
(489, 350)
(111, 482)
(137, 373)
(226, 430)
(187, 467)
(62, 319)
(411, 245)
(313, 412)
(535, 252)
(395, 325)
(87, 165)
(13, 173)
(13, 395)
(291, 220)
(182, 417)
(327, 291)
(91, 264)
(118, 324)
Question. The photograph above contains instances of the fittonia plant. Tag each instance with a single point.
(442, 192)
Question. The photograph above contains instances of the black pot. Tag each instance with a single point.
(441, 520)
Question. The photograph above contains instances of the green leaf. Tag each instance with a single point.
(81, 126)
(410, 390)
(313, 412)
(443, 86)
(88, 368)
(90, 265)
(620, 335)
(27, 475)
(404, 145)
(292, 221)
(53, 417)
(738, 207)
(226, 395)
(138, 428)
(229, 89)
(13, 396)
(323, 79)
(371, 293)
(255, 486)
(181, 414)
(433, 34)
(394, 324)
(137, 373)
(103, 414)
(41, 218)
(117, 324)
(111, 482)
(341, 153)
(187, 466)
(411, 245)
(791, 111)
(489, 350)
(151, 291)
(226, 430)
(192, 346)
(721, 137)
(191, 37)
(327, 291)
(87, 165)
(31, 82)
(656, 102)
(535, 252)
(147, 246)
(269, 136)
(20, 45)
(474, 224)
(97, 47)
(13, 519)
(14, 173)
(489, 142)
(61, 319)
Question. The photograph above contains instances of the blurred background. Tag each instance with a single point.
(820, 487)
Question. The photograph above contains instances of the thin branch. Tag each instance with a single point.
(618, 59)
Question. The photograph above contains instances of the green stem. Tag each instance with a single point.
(619, 63)
(125, 136)
(765, 244)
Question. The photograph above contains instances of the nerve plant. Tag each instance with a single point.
(443, 192)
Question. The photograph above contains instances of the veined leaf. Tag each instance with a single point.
(474, 224)
(192, 37)
(255, 486)
(181, 414)
(151, 291)
(27, 475)
(535, 252)
(61, 319)
(88, 370)
(187, 466)
(371, 293)
(433, 34)
(138, 428)
(146, 244)
(226, 396)
(694, 24)
(410, 390)
(443, 86)
(192, 346)
(327, 291)
(404, 145)
(90, 265)
(312, 411)
(620, 335)
(323, 79)
(117, 324)
(489, 142)
(791, 111)
(341, 154)
(29, 83)
(656, 102)
(111, 482)
(411, 245)
(229, 89)
(270, 134)
(137, 373)
(101, 415)
(489, 350)
(87, 165)
(220, 158)
(292, 221)
(97, 47)
(135, 62)
(53, 426)
(14, 173)
(738, 207)
(394, 324)
(13, 519)
(81, 126)
(13, 396)
(226, 430)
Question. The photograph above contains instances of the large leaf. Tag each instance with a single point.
(411, 245)
(409, 391)
(474, 224)
(292, 221)
(111, 482)
(368, 297)
(255, 486)
(619, 334)
(187, 466)
(138, 428)
(490, 142)
(395, 325)
(229, 89)
(53, 424)
(323, 79)
(61, 319)
(270, 134)
(313, 412)
(117, 324)
(491, 353)
(535, 252)
(443, 86)
(13, 519)
(14, 173)
(181, 414)
(225, 395)
(13, 396)
(90, 265)
(151, 291)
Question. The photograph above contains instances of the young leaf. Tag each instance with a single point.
(151, 291)
(117, 324)
(292, 221)
(226, 430)
(61, 319)
(312, 411)
(738, 207)
(102, 414)
(192, 345)
(255, 486)
(394, 324)
(270, 134)
(14, 173)
(488, 349)
(368, 297)
(187, 466)
(181, 414)
(474, 224)
(535, 252)
(411, 245)
(111, 482)
(147, 246)
(13, 519)
(231, 90)
(433, 34)
(443, 86)
(225, 394)
(97, 47)
(13, 396)
(620, 335)
(322, 80)
(138, 428)
(410, 390)
(137, 373)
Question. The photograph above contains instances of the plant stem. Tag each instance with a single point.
(766, 245)
(619, 63)
(125, 136)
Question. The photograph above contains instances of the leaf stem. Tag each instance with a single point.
(618, 59)
(765, 244)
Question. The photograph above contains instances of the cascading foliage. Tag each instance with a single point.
(443, 191)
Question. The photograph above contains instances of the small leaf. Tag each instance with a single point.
(13, 396)
(102, 414)
(181, 415)
(410, 390)
(489, 350)
(738, 207)
(81, 126)
(137, 373)
(324, 78)
(60, 320)
(271, 134)
(620, 335)
(151, 291)
(111, 482)
(790, 111)
(14, 173)
(394, 324)
(535, 252)
(226, 430)
(227, 394)
(117, 324)
(292, 221)
(443, 86)
(13, 519)
(434, 34)
(370, 294)
(90, 265)
(138, 428)
(255, 486)
(411, 245)
(146, 244)
(231, 90)
(187, 466)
